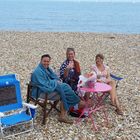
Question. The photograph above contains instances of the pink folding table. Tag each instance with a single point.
(98, 92)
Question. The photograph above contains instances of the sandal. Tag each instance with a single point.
(119, 111)
(64, 120)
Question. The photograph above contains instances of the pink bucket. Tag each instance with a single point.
(90, 84)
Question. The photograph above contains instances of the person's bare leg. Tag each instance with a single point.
(87, 96)
(113, 92)
(81, 104)
(63, 111)
(114, 97)
(117, 103)
(63, 115)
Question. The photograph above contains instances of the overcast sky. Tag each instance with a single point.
(84, 0)
(101, 0)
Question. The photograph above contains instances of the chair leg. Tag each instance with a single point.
(28, 94)
(2, 134)
(44, 115)
(44, 110)
(55, 104)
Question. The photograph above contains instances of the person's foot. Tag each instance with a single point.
(119, 111)
(65, 120)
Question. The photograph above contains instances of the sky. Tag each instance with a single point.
(85, 0)
(102, 0)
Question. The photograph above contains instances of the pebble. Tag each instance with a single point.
(21, 51)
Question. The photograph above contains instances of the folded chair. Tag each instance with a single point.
(44, 102)
(13, 112)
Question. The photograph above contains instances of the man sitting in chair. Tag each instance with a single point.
(49, 82)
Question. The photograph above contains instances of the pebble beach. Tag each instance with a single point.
(20, 53)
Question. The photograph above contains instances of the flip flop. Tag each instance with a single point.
(119, 111)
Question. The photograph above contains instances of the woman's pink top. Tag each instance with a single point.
(102, 75)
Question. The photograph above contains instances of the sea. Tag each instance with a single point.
(68, 16)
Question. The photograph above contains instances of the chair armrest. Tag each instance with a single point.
(30, 87)
(1, 114)
(32, 84)
(29, 105)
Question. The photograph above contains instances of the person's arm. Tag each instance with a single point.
(53, 74)
(64, 70)
(46, 85)
(95, 70)
(108, 78)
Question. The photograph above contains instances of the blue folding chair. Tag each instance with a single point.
(116, 78)
(12, 111)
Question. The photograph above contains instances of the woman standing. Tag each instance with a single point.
(70, 69)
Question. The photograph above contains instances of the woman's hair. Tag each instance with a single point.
(45, 55)
(70, 49)
(100, 55)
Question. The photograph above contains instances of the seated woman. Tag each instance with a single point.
(103, 75)
(70, 69)
(48, 82)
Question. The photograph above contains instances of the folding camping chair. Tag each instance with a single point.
(12, 111)
(117, 79)
(43, 103)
